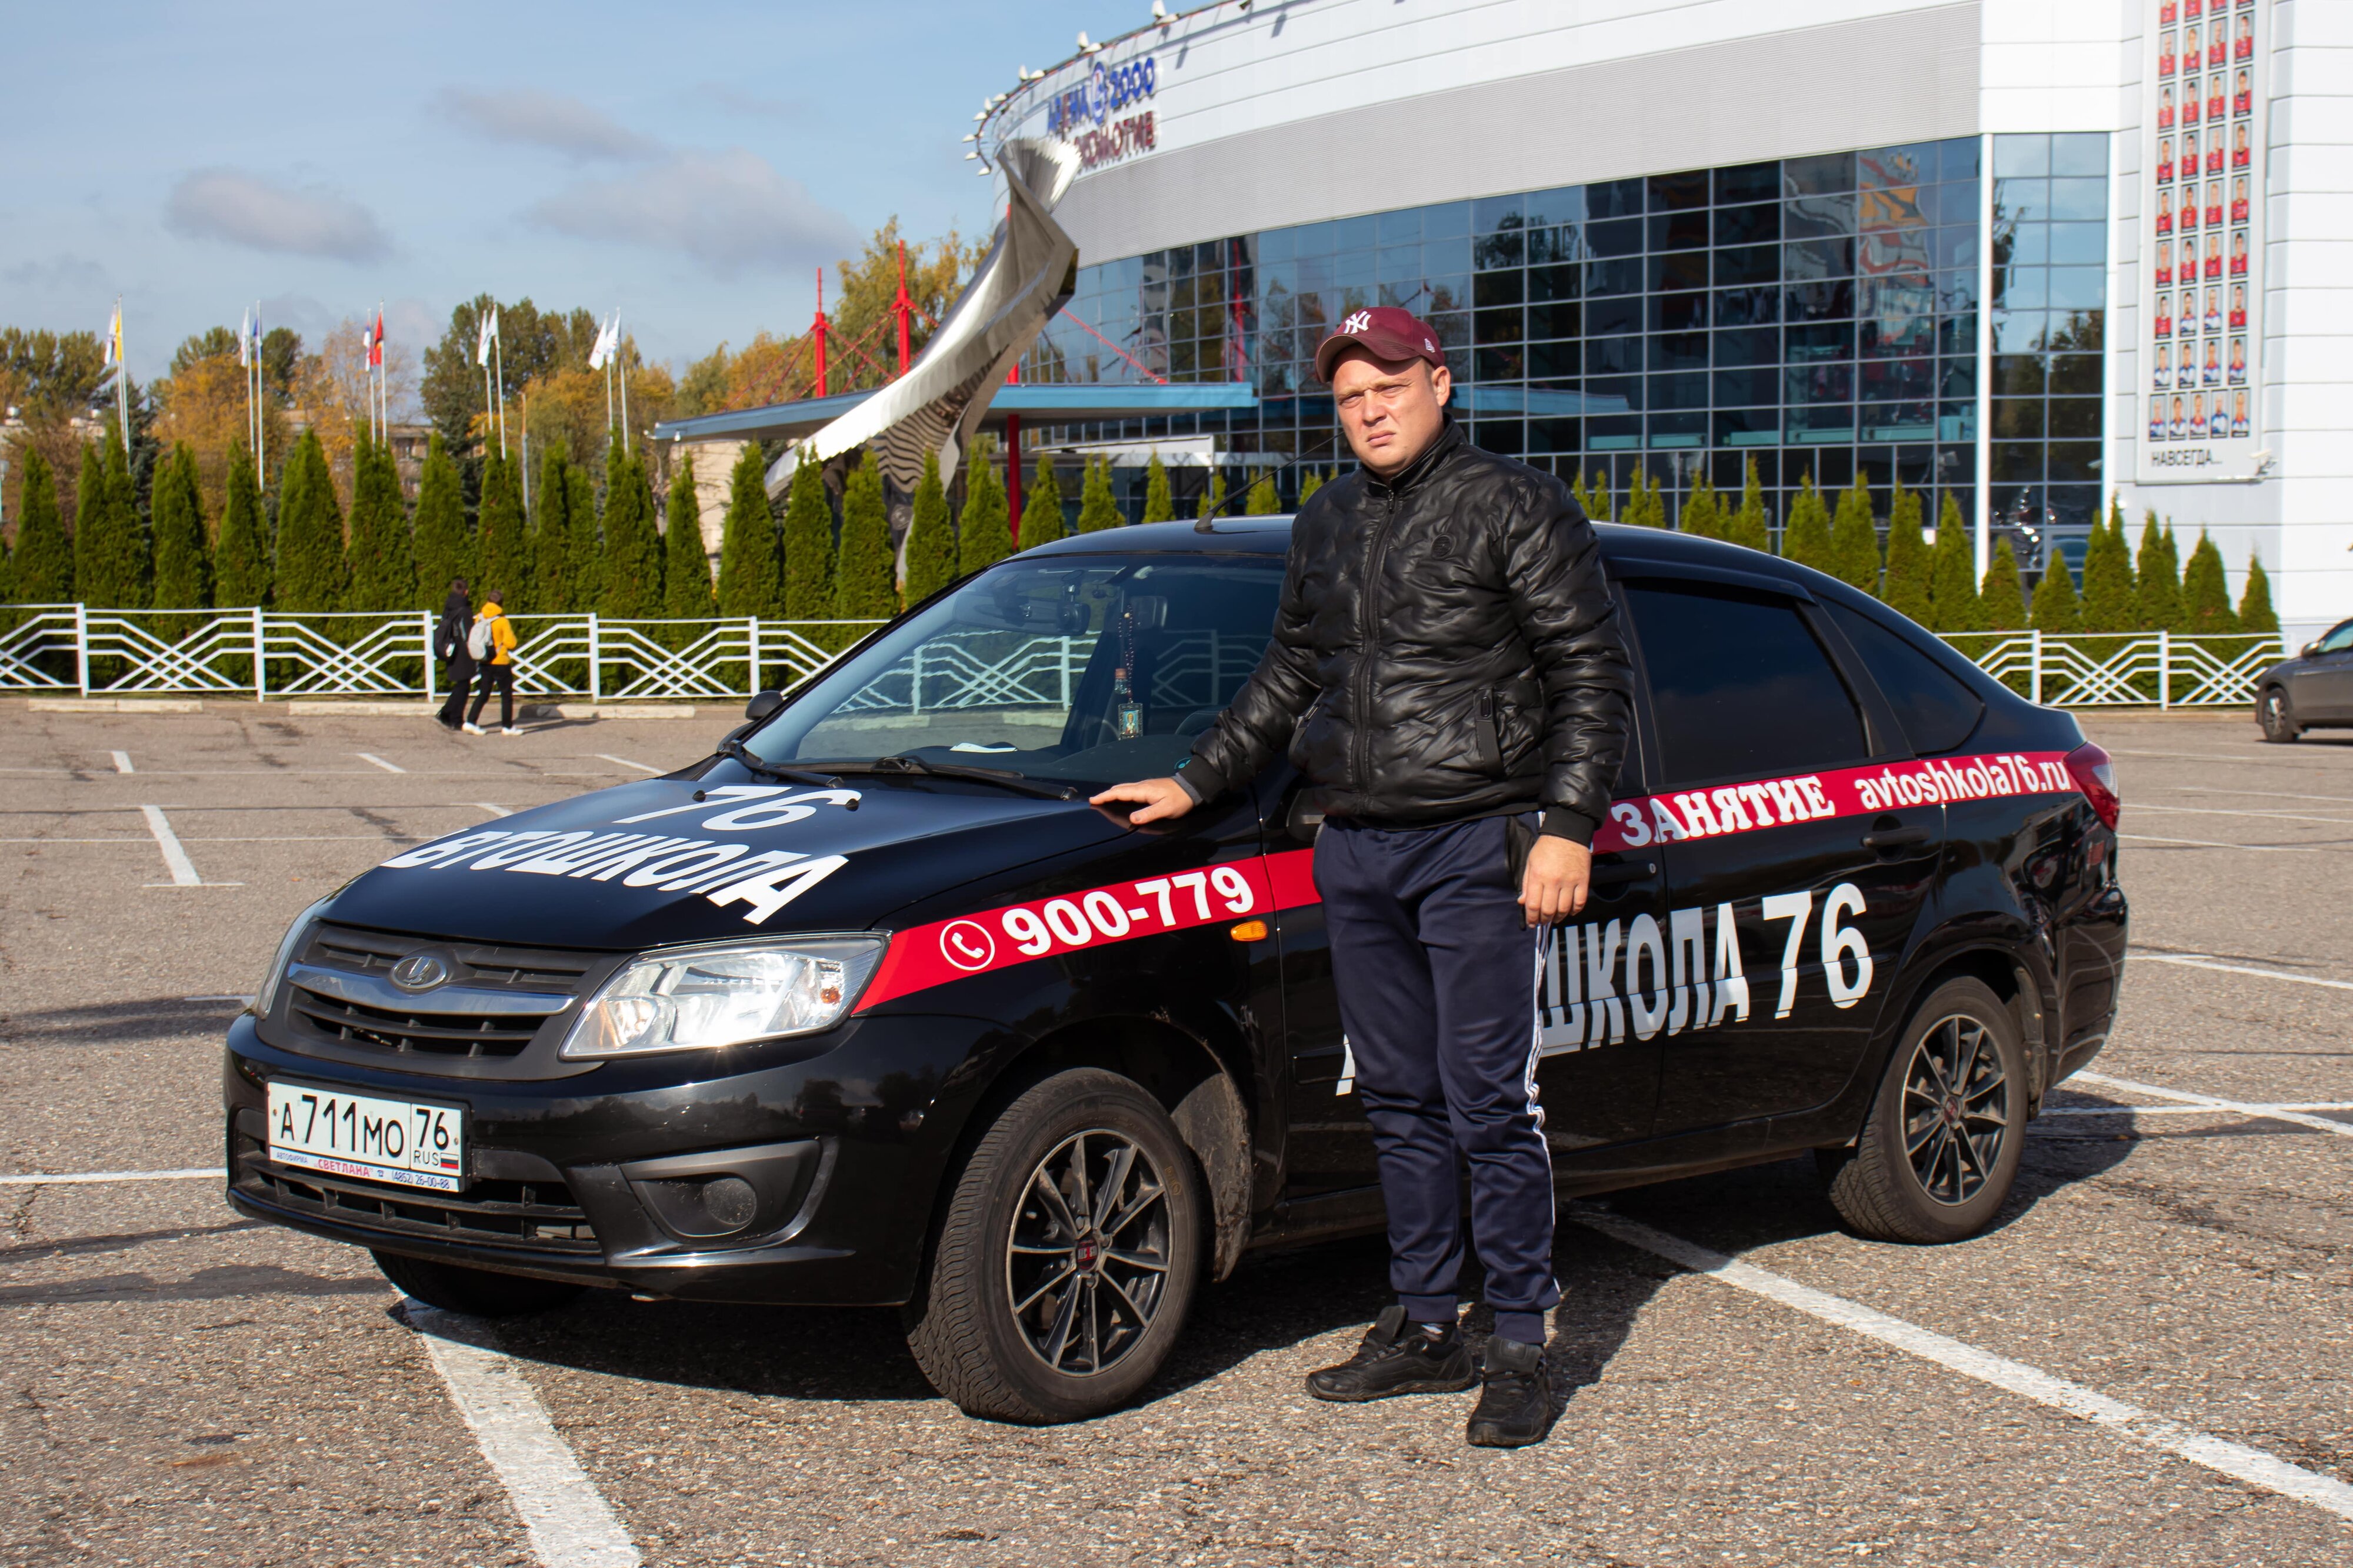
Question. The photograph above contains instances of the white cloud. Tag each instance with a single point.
(61, 274)
(549, 120)
(729, 210)
(244, 209)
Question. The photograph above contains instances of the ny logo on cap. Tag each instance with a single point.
(1357, 321)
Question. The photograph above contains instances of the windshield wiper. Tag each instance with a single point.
(735, 751)
(1021, 784)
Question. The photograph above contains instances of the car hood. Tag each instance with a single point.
(665, 861)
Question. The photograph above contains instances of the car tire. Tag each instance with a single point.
(477, 1291)
(1066, 1257)
(2277, 719)
(1940, 1147)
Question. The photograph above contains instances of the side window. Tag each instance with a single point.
(1739, 686)
(1938, 711)
(2337, 640)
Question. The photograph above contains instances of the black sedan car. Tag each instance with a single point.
(872, 1006)
(2313, 690)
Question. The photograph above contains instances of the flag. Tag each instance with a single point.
(376, 342)
(607, 342)
(256, 332)
(482, 338)
(114, 336)
(245, 340)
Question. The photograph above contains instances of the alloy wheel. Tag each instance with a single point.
(1087, 1264)
(1955, 1109)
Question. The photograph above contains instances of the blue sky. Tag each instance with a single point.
(689, 165)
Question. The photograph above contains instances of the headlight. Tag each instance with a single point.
(696, 998)
(288, 946)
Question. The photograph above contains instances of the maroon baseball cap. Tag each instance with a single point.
(1385, 332)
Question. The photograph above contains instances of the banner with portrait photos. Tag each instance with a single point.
(2201, 238)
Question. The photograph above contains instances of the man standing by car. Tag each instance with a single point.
(1447, 669)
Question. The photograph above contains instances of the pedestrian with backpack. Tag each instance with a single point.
(490, 645)
(449, 638)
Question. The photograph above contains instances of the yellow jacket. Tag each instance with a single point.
(502, 638)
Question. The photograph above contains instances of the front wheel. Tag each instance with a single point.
(2277, 717)
(1067, 1258)
(1940, 1148)
(477, 1291)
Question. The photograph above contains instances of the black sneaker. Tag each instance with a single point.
(1397, 1357)
(1515, 1408)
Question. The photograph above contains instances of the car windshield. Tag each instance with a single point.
(1084, 668)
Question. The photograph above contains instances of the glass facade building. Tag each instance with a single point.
(1808, 316)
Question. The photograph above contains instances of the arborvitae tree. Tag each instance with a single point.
(583, 539)
(1309, 483)
(686, 568)
(501, 545)
(241, 556)
(1159, 505)
(445, 549)
(931, 537)
(1041, 507)
(1596, 499)
(631, 585)
(984, 529)
(2056, 609)
(1261, 498)
(1952, 572)
(2206, 591)
(2002, 607)
(1807, 540)
(1703, 514)
(382, 555)
(43, 562)
(1748, 526)
(1909, 565)
(2157, 580)
(1643, 507)
(183, 567)
(807, 543)
(1213, 499)
(2255, 613)
(1099, 507)
(2108, 588)
(751, 568)
(310, 532)
(112, 567)
(550, 590)
(1854, 538)
(863, 585)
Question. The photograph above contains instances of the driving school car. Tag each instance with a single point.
(872, 1006)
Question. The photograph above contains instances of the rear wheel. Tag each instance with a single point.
(1940, 1148)
(2278, 720)
(479, 1292)
(1068, 1255)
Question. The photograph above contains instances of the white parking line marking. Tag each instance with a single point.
(571, 1525)
(82, 1178)
(2217, 844)
(122, 762)
(2218, 810)
(2239, 1463)
(2199, 961)
(2183, 1110)
(379, 762)
(2214, 1102)
(627, 763)
(175, 859)
(2195, 756)
(2250, 794)
(222, 997)
(494, 810)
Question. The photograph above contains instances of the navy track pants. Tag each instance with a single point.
(1436, 969)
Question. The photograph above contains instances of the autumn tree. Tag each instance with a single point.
(43, 562)
(1041, 507)
(1749, 526)
(310, 575)
(445, 549)
(1953, 578)
(114, 564)
(863, 585)
(630, 585)
(1854, 538)
(808, 552)
(241, 555)
(984, 529)
(931, 546)
(1909, 565)
(686, 566)
(182, 556)
(1159, 504)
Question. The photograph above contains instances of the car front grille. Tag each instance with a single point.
(539, 1217)
(489, 1002)
(405, 1030)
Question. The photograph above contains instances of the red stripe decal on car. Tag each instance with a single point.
(989, 940)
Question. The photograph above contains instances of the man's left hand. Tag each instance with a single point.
(1554, 885)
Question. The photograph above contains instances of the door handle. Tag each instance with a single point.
(1887, 838)
(1623, 873)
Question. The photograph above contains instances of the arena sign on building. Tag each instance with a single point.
(1933, 242)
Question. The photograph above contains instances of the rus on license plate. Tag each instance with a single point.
(362, 1135)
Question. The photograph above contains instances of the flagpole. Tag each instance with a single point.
(526, 422)
(261, 387)
(498, 352)
(122, 382)
(619, 348)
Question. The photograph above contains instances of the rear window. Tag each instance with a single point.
(1740, 687)
(1938, 711)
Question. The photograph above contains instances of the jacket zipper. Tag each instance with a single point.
(1359, 759)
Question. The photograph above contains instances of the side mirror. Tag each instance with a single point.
(2308, 651)
(762, 704)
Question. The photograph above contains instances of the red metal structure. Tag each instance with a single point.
(1013, 462)
(904, 309)
(818, 329)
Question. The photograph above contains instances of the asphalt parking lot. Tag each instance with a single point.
(2149, 1360)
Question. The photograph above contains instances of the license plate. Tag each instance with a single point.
(366, 1136)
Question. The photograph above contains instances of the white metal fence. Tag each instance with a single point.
(60, 649)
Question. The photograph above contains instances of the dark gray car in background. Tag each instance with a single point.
(2313, 691)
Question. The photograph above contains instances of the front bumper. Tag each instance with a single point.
(600, 1179)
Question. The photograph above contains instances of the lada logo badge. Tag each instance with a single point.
(419, 971)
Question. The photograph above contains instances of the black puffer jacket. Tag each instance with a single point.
(1446, 647)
